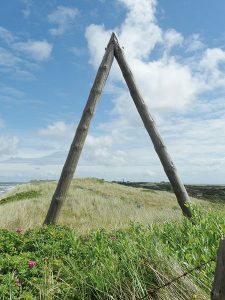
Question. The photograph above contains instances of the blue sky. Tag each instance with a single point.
(49, 54)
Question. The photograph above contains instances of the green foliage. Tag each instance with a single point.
(122, 264)
(20, 196)
(195, 243)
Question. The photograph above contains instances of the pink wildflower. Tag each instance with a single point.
(32, 263)
(113, 237)
(19, 230)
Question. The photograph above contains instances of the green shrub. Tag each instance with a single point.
(20, 196)
(122, 264)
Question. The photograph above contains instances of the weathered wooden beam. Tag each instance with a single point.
(80, 136)
(218, 290)
(168, 165)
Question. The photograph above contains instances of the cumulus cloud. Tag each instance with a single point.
(166, 84)
(173, 38)
(139, 33)
(211, 68)
(63, 18)
(97, 37)
(167, 81)
(212, 58)
(180, 83)
(179, 78)
(58, 129)
(38, 50)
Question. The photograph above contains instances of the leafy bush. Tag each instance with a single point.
(195, 243)
(52, 262)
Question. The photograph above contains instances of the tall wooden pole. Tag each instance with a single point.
(80, 136)
(160, 148)
(218, 290)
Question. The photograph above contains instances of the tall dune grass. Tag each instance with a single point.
(90, 204)
(116, 265)
(121, 261)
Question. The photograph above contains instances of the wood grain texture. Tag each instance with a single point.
(81, 134)
(160, 148)
(218, 290)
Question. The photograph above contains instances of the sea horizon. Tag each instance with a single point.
(7, 186)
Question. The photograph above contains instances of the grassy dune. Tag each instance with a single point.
(96, 253)
(91, 204)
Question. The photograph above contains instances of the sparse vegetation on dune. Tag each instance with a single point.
(91, 204)
(114, 242)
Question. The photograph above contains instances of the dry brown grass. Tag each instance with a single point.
(91, 204)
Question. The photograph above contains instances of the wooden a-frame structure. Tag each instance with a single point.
(112, 50)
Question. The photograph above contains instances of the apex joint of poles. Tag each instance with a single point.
(112, 50)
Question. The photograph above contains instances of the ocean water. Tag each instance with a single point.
(7, 186)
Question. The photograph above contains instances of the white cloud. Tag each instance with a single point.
(172, 38)
(197, 146)
(167, 82)
(8, 145)
(194, 43)
(102, 141)
(139, 32)
(19, 58)
(212, 58)
(15, 65)
(63, 18)
(99, 150)
(211, 68)
(6, 35)
(57, 130)
(176, 89)
(11, 92)
(26, 172)
(97, 35)
(175, 75)
(38, 50)
(8, 59)
(27, 8)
